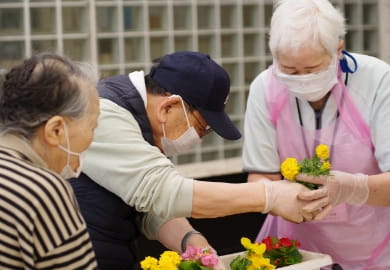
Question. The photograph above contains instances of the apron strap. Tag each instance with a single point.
(377, 251)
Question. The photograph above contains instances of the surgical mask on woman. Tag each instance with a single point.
(182, 144)
(67, 172)
(312, 86)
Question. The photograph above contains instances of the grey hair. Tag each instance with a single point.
(41, 87)
(299, 23)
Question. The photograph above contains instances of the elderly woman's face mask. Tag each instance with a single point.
(311, 87)
(67, 172)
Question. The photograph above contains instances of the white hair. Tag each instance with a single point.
(305, 23)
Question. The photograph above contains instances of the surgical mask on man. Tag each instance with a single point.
(67, 172)
(312, 86)
(182, 144)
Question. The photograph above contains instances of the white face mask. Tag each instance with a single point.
(312, 86)
(67, 172)
(182, 144)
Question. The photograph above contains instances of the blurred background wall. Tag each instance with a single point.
(125, 35)
(121, 36)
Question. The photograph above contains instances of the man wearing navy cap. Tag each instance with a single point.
(129, 185)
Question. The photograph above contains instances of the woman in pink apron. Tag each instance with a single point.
(355, 237)
(302, 101)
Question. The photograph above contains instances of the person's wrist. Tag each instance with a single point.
(360, 193)
(267, 195)
(186, 237)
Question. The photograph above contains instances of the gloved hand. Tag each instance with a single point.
(281, 198)
(341, 187)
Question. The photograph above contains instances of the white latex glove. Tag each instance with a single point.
(281, 198)
(342, 187)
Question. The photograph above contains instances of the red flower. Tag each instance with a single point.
(285, 242)
(268, 242)
(282, 251)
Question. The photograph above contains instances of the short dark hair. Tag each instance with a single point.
(153, 88)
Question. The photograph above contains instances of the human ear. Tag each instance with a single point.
(53, 131)
(165, 107)
(340, 48)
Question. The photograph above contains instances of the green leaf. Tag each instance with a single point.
(188, 265)
(296, 255)
(309, 185)
(239, 263)
(284, 255)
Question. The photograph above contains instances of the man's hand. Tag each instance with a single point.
(341, 187)
(281, 198)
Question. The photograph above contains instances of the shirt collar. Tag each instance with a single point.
(137, 78)
(23, 149)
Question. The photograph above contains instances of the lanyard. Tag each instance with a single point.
(318, 117)
(318, 114)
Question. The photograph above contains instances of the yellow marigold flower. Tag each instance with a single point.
(169, 258)
(258, 248)
(149, 263)
(290, 168)
(258, 261)
(167, 267)
(245, 242)
(322, 151)
(326, 166)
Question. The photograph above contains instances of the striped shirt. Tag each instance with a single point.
(40, 224)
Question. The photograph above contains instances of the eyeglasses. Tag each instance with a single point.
(203, 130)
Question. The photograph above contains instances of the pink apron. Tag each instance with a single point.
(356, 237)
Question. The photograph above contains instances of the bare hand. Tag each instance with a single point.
(220, 265)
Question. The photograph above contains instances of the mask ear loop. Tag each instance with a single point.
(184, 108)
(185, 112)
(344, 64)
(163, 129)
(67, 149)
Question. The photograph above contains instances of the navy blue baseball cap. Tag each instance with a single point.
(202, 83)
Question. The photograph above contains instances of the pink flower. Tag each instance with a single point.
(203, 257)
(209, 260)
(191, 253)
